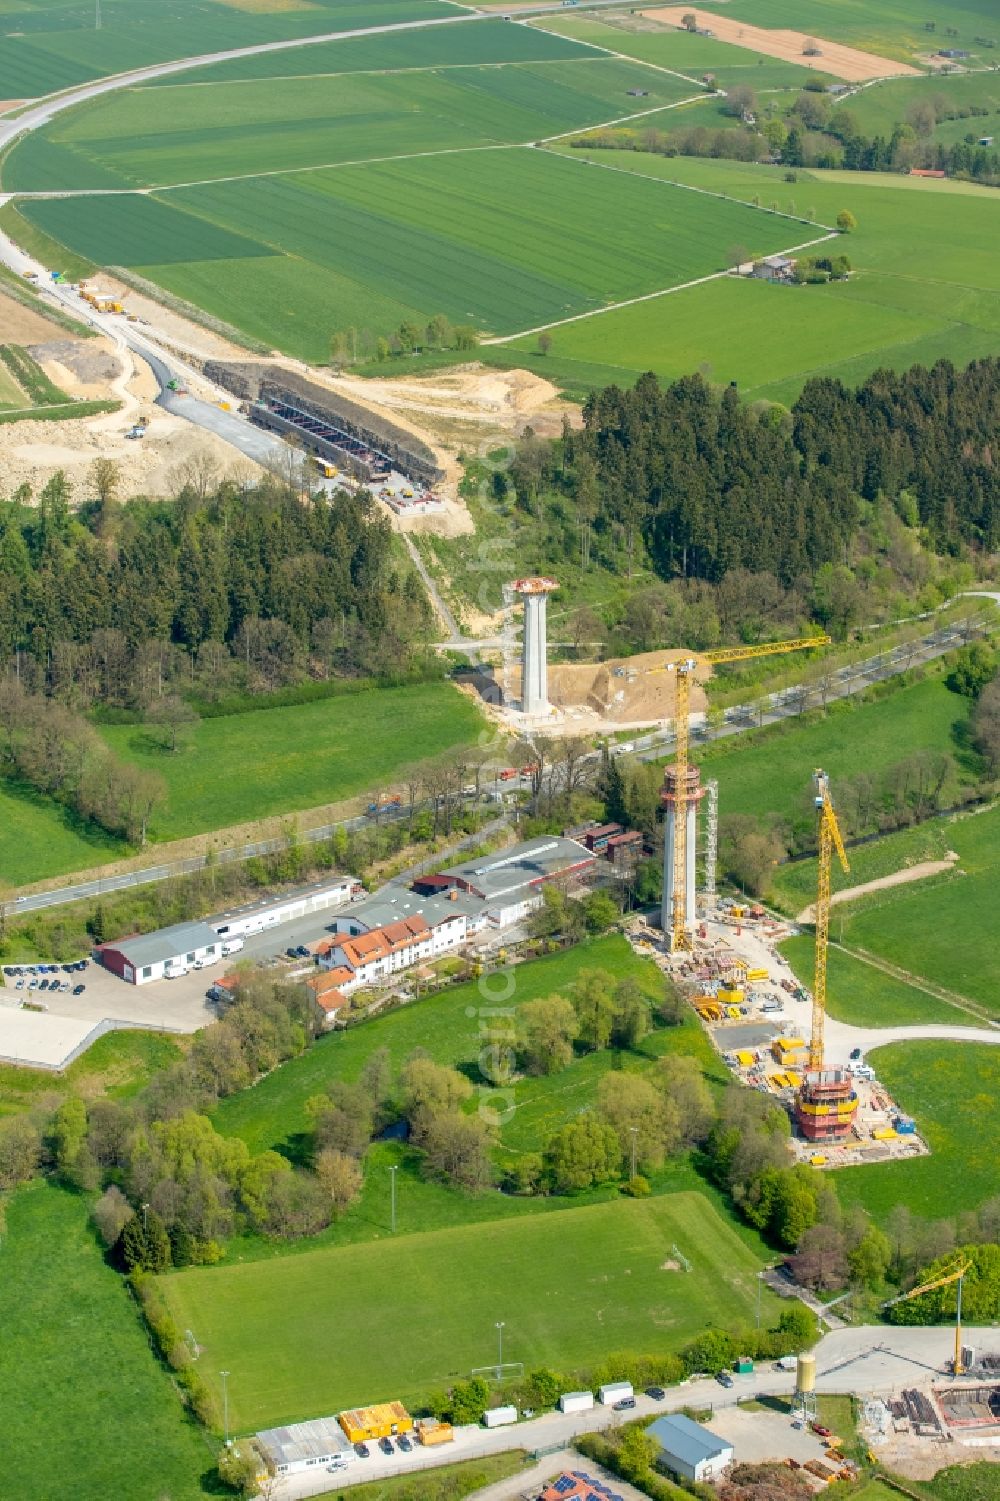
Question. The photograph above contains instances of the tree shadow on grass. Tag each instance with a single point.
(72, 821)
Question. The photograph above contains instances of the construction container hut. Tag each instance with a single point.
(305, 1446)
(384, 1420)
(688, 1450)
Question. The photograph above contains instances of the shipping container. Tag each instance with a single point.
(614, 1391)
(499, 1417)
(576, 1401)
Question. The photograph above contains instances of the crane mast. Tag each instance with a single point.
(829, 840)
(680, 786)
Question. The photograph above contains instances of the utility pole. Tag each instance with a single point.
(145, 1210)
(499, 1329)
(225, 1403)
(635, 1132)
(392, 1180)
(760, 1282)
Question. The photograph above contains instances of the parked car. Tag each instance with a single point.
(820, 1431)
(656, 1392)
(385, 1444)
(291, 953)
(19, 985)
(362, 1451)
(303, 952)
(404, 1443)
(624, 1404)
(79, 989)
(855, 1053)
(724, 1378)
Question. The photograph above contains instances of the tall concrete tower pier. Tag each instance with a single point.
(673, 806)
(534, 678)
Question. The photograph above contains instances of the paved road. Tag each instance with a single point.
(866, 1360)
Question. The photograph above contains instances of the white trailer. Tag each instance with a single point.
(499, 1417)
(614, 1391)
(786, 1363)
(576, 1401)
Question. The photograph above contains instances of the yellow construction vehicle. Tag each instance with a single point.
(957, 1274)
(680, 930)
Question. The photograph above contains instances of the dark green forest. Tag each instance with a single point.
(706, 484)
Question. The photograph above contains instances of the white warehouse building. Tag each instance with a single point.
(256, 917)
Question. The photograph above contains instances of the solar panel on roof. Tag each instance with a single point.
(565, 1483)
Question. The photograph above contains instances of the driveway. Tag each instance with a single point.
(865, 1360)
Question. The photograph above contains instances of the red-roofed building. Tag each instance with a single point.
(577, 1485)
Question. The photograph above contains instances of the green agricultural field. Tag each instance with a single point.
(864, 996)
(241, 129)
(249, 766)
(87, 1411)
(53, 44)
(945, 929)
(494, 251)
(681, 51)
(770, 771)
(952, 1089)
(912, 238)
(464, 45)
(321, 1330)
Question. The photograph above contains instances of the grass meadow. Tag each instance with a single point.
(322, 1330)
(943, 929)
(924, 287)
(952, 1089)
(51, 44)
(877, 110)
(87, 1411)
(38, 838)
(865, 996)
(770, 770)
(268, 761)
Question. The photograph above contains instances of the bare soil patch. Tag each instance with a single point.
(20, 324)
(898, 878)
(621, 691)
(849, 63)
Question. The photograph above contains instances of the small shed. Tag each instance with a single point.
(689, 1450)
(774, 268)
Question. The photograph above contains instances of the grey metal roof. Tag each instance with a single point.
(395, 902)
(682, 1439)
(282, 898)
(509, 871)
(319, 1439)
(166, 943)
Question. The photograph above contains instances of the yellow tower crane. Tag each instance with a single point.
(957, 1274)
(829, 840)
(680, 929)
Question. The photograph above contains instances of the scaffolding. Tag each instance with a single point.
(711, 840)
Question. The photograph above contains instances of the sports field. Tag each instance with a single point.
(53, 44)
(299, 756)
(334, 1327)
(478, 235)
(912, 239)
(87, 1410)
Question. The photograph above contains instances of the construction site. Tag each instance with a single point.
(724, 956)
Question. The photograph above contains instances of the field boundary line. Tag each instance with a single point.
(690, 187)
(524, 62)
(626, 58)
(613, 307)
(951, 998)
(639, 114)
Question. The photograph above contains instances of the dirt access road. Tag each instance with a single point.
(898, 878)
(848, 63)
